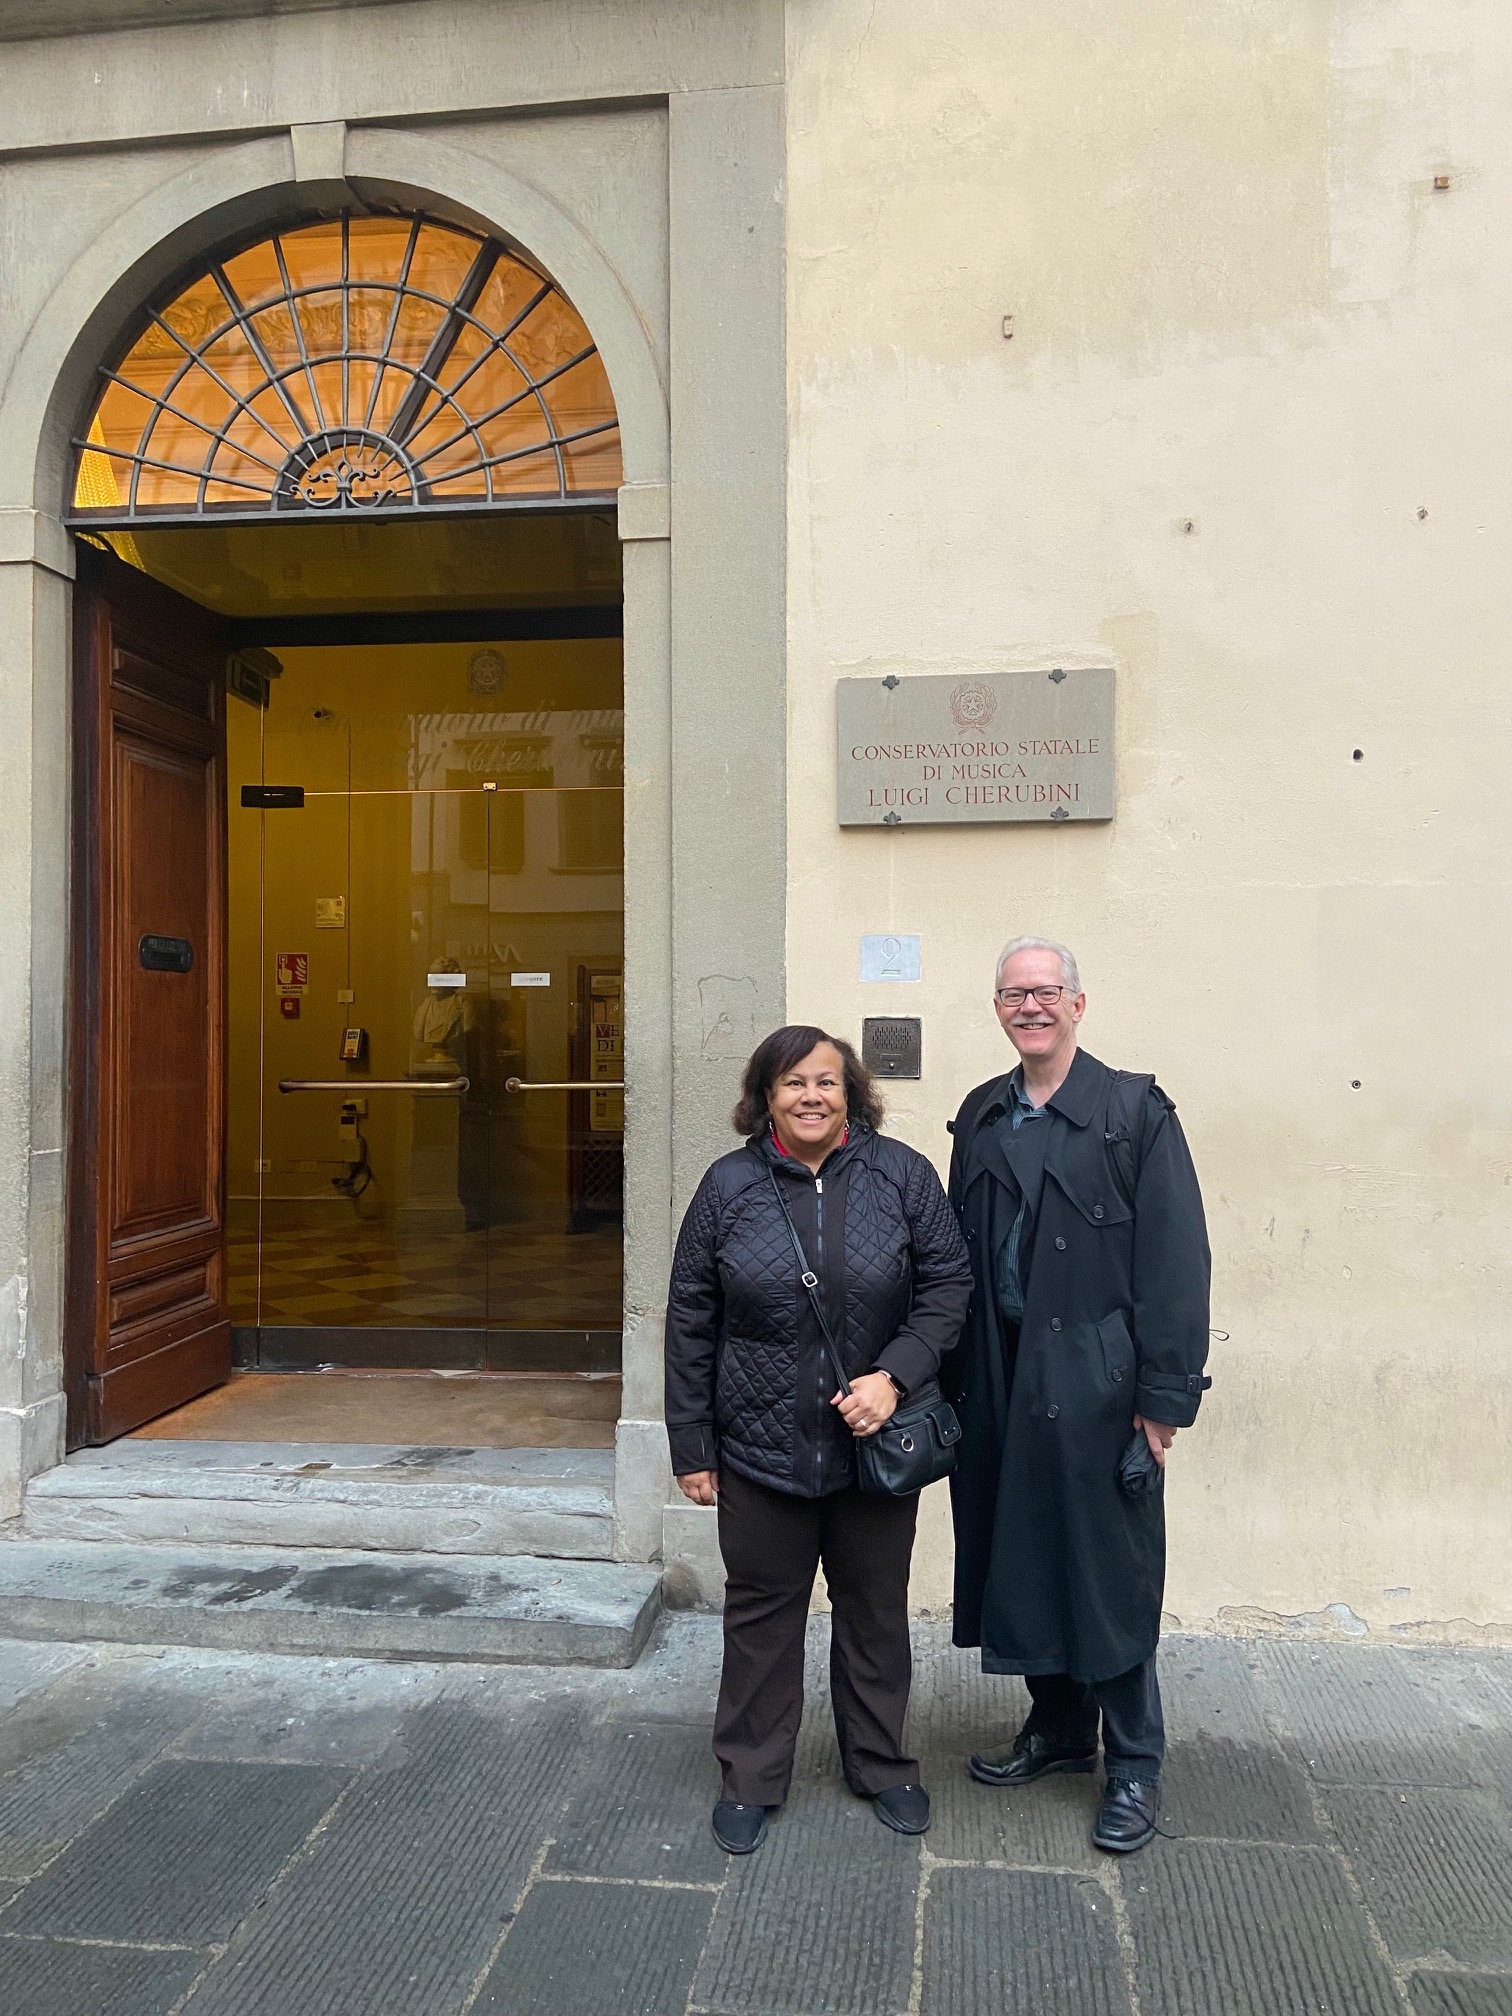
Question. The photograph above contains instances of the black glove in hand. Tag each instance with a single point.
(1138, 1472)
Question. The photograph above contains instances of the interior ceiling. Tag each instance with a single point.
(556, 559)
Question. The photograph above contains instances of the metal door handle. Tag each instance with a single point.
(356, 1085)
(566, 1085)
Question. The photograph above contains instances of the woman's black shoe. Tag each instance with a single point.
(1127, 1818)
(904, 1808)
(1031, 1757)
(738, 1829)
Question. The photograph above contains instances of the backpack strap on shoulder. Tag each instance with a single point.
(1128, 1105)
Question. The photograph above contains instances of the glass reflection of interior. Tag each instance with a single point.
(451, 893)
(352, 364)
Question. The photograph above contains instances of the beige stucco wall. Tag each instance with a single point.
(1238, 301)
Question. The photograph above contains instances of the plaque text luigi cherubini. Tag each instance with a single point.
(991, 746)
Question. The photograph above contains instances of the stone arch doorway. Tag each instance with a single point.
(376, 405)
(662, 247)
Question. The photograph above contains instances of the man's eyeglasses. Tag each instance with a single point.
(1015, 997)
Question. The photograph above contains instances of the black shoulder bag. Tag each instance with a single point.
(916, 1445)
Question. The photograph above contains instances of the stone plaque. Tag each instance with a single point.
(891, 955)
(986, 747)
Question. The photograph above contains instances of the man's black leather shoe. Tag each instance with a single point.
(1126, 1819)
(904, 1808)
(738, 1829)
(1032, 1756)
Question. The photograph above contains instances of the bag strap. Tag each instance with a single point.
(809, 1278)
(1129, 1103)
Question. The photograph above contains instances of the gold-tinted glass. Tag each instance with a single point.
(453, 888)
(356, 364)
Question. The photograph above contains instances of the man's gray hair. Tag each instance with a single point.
(1064, 953)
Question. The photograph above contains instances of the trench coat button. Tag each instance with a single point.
(1055, 1323)
(1097, 1210)
(1051, 1413)
(1060, 1244)
(1117, 1374)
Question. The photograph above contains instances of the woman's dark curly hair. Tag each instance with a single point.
(778, 1053)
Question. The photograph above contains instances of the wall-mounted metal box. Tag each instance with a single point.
(892, 1046)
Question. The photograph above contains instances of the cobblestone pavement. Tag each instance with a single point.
(235, 1836)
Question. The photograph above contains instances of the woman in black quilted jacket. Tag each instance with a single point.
(757, 1426)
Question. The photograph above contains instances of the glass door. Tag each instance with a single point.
(375, 1119)
(556, 1000)
(429, 980)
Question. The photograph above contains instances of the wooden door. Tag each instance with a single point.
(146, 1301)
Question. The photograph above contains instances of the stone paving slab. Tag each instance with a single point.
(182, 1857)
(85, 1696)
(1484, 1681)
(1220, 1790)
(1436, 1869)
(309, 1711)
(24, 1668)
(1462, 1994)
(1020, 1942)
(822, 1918)
(1047, 1825)
(48, 1977)
(395, 1909)
(1251, 1931)
(599, 1949)
(1491, 1766)
(1367, 1716)
(84, 1758)
(953, 1699)
(1211, 1686)
(645, 1793)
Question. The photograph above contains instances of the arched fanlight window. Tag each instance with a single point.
(359, 364)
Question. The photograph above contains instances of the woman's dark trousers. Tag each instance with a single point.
(772, 1544)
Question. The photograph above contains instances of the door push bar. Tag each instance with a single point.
(357, 1085)
(567, 1085)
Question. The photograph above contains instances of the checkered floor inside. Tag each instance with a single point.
(519, 1277)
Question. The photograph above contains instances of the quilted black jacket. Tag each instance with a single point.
(749, 1383)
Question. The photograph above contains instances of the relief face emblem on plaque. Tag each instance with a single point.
(994, 747)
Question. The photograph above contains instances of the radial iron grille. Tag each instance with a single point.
(359, 364)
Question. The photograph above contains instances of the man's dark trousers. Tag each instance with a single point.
(773, 1543)
(1066, 1712)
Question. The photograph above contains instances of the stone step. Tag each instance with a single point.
(557, 1503)
(330, 1602)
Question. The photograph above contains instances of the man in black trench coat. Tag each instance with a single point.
(1082, 1357)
